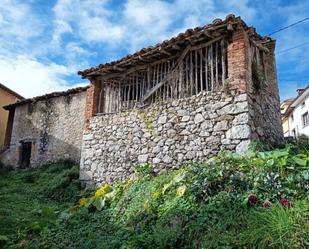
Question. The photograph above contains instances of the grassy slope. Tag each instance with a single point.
(27, 198)
(202, 206)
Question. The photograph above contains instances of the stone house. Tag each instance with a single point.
(185, 99)
(45, 128)
(7, 96)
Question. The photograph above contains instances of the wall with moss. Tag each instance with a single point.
(53, 125)
(166, 135)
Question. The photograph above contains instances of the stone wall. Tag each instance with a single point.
(53, 125)
(170, 134)
(264, 102)
(165, 136)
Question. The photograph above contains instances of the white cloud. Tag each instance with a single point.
(18, 24)
(137, 23)
(30, 77)
(80, 33)
(89, 18)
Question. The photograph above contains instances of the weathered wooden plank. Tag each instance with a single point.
(196, 73)
(155, 88)
(201, 70)
(191, 73)
(223, 51)
(212, 67)
(217, 72)
(206, 67)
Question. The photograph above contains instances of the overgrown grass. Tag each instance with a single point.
(260, 200)
(31, 199)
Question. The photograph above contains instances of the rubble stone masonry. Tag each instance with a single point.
(54, 126)
(170, 134)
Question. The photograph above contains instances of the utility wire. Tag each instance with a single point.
(297, 46)
(289, 26)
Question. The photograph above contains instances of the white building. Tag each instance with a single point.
(298, 116)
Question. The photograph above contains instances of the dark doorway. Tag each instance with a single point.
(25, 154)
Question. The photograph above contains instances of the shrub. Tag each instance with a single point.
(65, 185)
(258, 200)
(279, 227)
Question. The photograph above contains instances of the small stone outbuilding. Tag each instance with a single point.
(208, 89)
(45, 129)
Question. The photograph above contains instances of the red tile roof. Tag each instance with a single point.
(169, 46)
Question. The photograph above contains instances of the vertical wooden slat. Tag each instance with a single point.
(201, 70)
(196, 69)
(129, 95)
(187, 76)
(107, 96)
(110, 97)
(212, 67)
(119, 96)
(217, 76)
(223, 60)
(164, 88)
(206, 67)
(168, 84)
(180, 79)
(191, 73)
(136, 88)
(100, 98)
(157, 81)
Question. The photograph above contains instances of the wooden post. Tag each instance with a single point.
(212, 67)
(217, 76)
(196, 69)
(223, 51)
(201, 70)
(191, 73)
(206, 66)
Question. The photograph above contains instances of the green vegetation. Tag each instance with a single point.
(31, 200)
(259, 200)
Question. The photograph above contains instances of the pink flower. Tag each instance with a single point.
(284, 202)
(267, 204)
(253, 198)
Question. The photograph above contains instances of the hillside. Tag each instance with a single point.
(259, 200)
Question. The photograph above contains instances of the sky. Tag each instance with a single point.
(44, 43)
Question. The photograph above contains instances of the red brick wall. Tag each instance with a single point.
(238, 62)
(92, 98)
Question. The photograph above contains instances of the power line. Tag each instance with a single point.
(297, 46)
(289, 26)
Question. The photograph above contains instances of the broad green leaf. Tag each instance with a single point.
(181, 190)
(179, 177)
(166, 187)
(278, 153)
(306, 175)
(299, 161)
(99, 203)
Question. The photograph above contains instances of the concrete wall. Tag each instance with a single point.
(6, 98)
(54, 126)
